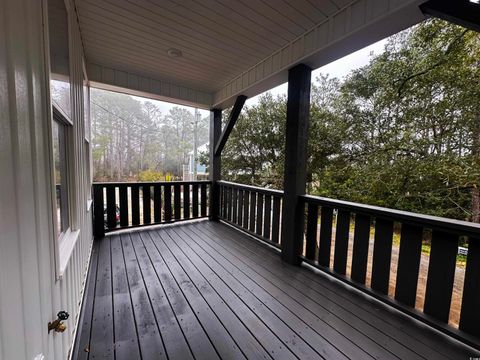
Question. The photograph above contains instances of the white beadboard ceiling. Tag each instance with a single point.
(229, 47)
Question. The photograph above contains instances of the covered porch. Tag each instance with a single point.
(208, 269)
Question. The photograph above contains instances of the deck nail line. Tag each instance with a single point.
(129, 292)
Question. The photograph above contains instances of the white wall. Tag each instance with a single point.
(30, 293)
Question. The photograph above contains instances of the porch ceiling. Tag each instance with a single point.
(229, 47)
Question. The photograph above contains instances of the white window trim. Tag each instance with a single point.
(66, 244)
(89, 205)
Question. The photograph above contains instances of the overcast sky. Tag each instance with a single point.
(339, 68)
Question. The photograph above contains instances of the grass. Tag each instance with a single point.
(461, 259)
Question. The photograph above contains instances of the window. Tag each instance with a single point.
(60, 154)
(59, 56)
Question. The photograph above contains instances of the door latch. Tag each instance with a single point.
(57, 324)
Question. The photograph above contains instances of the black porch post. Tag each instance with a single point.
(295, 176)
(215, 161)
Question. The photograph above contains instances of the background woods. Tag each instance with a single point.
(134, 140)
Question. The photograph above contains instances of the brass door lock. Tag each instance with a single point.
(58, 325)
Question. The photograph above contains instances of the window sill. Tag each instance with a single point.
(66, 249)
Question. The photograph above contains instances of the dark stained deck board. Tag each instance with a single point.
(126, 336)
(101, 336)
(226, 270)
(244, 314)
(251, 348)
(204, 290)
(220, 338)
(172, 334)
(194, 334)
(149, 338)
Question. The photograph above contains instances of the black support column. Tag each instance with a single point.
(215, 162)
(298, 113)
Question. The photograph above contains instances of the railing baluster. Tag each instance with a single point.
(111, 207)
(360, 248)
(123, 194)
(98, 211)
(186, 201)
(167, 194)
(408, 264)
(276, 220)
(203, 199)
(246, 208)
(147, 205)
(235, 205)
(135, 204)
(253, 204)
(259, 226)
(470, 314)
(312, 230)
(195, 200)
(382, 255)
(267, 217)
(229, 204)
(225, 202)
(441, 273)
(157, 203)
(240, 208)
(341, 242)
(326, 224)
(176, 202)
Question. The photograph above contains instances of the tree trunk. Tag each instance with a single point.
(475, 197)
(475, 204)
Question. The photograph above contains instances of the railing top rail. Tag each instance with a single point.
(435, 222)
(152, 183)
(252, 188)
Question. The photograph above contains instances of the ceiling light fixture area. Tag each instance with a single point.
(475, 1)
(174, 53)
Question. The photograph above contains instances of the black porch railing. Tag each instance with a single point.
(253, 209)
(126, 205)
(357, 223)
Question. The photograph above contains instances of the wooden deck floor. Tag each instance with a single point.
(205, 291)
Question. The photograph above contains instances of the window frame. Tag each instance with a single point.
(65, 240)
(62, 228)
